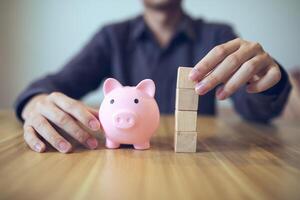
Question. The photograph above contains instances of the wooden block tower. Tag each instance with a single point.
(185, 112)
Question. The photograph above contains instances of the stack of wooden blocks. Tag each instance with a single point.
(185, 112)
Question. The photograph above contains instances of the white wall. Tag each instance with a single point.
(37, 37)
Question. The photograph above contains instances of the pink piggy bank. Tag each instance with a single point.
(129, 115)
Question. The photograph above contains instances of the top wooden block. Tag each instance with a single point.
(183, 78)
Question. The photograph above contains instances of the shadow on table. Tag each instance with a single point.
(246, 142)
(239, 142)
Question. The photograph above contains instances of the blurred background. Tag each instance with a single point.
(38, 37)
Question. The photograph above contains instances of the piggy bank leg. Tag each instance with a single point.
(142, 146)
(111, 145)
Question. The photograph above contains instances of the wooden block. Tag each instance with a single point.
(185, 120)
(183, 78)
(186, 99)
(185, 142)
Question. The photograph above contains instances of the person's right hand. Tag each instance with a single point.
(65, 113)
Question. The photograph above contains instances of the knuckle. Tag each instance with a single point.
(257, 46)
(80, 135)
(82, 112)
(246, 42)
(39, 105)
(250, 68)
(214, 79)
(31, 116)
(204, 67)
(266, 56)
(33, 120)
(72, 105)
(79, 103)
(62, 119)
(82, 115)
(239, 40)
(39, 122)
(234, 60)
(54, 94)
(220, 51)
(26, 129)
(29, 121)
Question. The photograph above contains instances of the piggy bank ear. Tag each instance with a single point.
(147, 86)
(110, 84)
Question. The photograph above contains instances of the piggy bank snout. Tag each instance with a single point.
(124, 119)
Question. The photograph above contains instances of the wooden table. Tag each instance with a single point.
(234, 160)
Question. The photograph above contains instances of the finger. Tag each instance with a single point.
(243, 75)
(93, 111)
(272, 77)
(212, 59)
(68, 124)
(226, 68)
(44, 129)
(32, 140)
(76, 109)
(254, 78)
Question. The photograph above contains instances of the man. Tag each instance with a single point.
(153, 46)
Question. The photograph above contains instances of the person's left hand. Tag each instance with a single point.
(235, 63)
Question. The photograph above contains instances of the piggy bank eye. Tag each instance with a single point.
(136, 101)
(112, 101)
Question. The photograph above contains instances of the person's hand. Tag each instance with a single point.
(234, 64)
(44, 110)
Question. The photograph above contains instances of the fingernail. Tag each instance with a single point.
(94, 124)
(63, 146)
(193, 74)
(38, 147)
(221, 94)
(201, 88)
(92, 143)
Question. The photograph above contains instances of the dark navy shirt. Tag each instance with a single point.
(129, 52)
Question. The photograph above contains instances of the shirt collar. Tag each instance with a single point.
(139, 27)
(185, 27)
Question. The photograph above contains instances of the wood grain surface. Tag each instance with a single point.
(234, 160)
